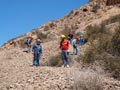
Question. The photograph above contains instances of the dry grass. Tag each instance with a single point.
(95, 8)
(88, 80)
(105, 48)
(55, 61)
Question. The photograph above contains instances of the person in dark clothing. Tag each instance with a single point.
(37, 51)
(28, 42)
(70, 38)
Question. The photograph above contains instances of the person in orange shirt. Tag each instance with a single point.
(64, 46)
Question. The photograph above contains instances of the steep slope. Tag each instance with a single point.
(76, 21)
(16, 72)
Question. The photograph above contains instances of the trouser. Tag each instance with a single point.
(75, 50)
(36, 59)
(65, 57)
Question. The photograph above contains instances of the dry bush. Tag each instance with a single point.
(95, 8)
(22, 43)
(42, 36)
(112, 19)
(115, 42)
(105, 48)
(55, 61)
(66, 31)
(88, 57)
(95, 32)
(88, 80)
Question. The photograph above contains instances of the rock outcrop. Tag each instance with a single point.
(107, 2)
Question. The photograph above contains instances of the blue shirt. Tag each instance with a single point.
(37, 49)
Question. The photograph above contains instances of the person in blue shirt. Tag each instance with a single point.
(37, 51)
(81, 41)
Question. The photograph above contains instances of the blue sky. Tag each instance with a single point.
(20, 16)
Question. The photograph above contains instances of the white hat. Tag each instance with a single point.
(38, 40)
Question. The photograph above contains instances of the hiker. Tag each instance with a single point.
(81, 41)
(64, 46)
(37, 51)
(75, 49)
(70, 38)
(28, 42)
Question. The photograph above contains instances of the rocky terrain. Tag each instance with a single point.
(16, 72)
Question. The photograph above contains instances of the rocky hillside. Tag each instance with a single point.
(76, 21)
(16, 72)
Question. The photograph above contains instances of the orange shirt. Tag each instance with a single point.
(64, 44)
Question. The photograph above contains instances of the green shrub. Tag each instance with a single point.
(55, 61)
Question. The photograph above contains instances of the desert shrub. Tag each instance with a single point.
(95, 32)
(89, 57)
(67, 30)
(22, 43)
(104, 48)
(112, 19)
(42, 36)
(55, 61)
(112, 64)
(115, 41)
(88, 80)
(95, 8)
